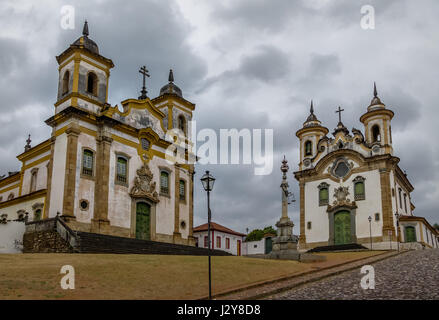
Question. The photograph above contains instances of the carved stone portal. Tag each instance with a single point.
(144, 186)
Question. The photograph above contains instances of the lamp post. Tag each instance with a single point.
(397, 229)
(208, 181)
(370, 231)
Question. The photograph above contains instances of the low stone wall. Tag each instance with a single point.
(44, 242)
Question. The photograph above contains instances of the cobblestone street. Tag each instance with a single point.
(412, 275)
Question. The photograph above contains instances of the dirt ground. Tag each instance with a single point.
(110, 276)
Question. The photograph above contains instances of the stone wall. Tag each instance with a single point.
(45, 242)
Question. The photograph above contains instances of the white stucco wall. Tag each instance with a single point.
(58, 174)
(233, 241)
(11, 237)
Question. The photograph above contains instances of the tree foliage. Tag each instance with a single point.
(258, 234)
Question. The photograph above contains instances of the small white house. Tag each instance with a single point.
(263, 246)
(222, 238)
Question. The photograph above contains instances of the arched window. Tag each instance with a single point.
(182, 123)
(11, 196)
(164, 182)
(33, 181)
(87, 162)
(92, 84)
(359, 191)
(308, 148)
(121, 170)
(376, 136)
(37, 215)
(182, 190)
(65, 82)
(323, 194)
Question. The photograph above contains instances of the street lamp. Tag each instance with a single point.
(208, 181)
(397, 229)
(370, 231)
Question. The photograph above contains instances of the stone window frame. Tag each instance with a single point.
(169, 172)
(359, 179)
(84, 175)
(335, 165)
(37, 206)
(127, 158)
(95, 92)
(183, 200)
(323, 202)
(33, 180)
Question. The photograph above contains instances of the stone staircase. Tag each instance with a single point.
(54, 235)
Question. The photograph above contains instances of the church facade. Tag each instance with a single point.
(104, 170)
(352, 189)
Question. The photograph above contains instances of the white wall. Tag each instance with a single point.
(233, 241)
(254, 247)
(11, 237)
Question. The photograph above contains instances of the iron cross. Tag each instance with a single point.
(145, 74)
(339, 113)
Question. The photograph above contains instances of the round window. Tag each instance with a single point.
(84, 204)
(341, 170)
(183, 224)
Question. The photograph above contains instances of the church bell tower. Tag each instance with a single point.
(377, 125)
(83, 76)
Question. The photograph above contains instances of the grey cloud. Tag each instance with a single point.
(322, 65)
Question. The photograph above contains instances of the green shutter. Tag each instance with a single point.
(359, 188)
(324, 194)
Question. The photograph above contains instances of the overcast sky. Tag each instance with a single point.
(245, 64)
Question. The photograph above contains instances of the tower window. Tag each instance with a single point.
(377, 217)
(122, 170)
(323, 194)
(164, 182)
(182, 190)
(92, 84)
(182, 123)
(308, 148)
(145, 143)
(376, 136)
(33, 180)
(87, 162)
(65, 82)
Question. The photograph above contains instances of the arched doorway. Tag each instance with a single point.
(143, 221)
(342, 227)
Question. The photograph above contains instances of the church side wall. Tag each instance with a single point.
(41, 182)
(58, 175)
(4, 195)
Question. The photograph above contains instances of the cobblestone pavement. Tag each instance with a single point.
(413, 275)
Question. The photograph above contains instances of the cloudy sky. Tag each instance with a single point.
(246, 64)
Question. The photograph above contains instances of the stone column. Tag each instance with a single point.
(177, 234)
(100, 222)
(49, 177)
(72, 132)
(302, 237)
(386, 203)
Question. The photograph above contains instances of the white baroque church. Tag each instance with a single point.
(352, 189)
(104, 170)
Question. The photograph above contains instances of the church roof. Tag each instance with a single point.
(375, 100)
(171, 88)
(217, 227)
(85, 41)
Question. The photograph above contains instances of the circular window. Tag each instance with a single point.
(341, 170)
(84, 204)
(183, 224)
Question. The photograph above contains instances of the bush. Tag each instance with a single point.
(258, 234)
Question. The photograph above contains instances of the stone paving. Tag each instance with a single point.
(412, 275)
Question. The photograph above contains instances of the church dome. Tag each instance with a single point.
(312, 119)
(171, 88)
(85, 41)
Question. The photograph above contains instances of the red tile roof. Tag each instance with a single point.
(217, 227)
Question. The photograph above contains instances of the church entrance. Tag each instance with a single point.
(342, 227)
(143, 221)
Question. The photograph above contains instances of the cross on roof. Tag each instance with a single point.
(339, 113)
(145, 74)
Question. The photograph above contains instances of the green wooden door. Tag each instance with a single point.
(342, 227)
(268, 245)
(143, 220)
(410, 234)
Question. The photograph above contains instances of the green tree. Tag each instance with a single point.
(258, 234)
(436, 226)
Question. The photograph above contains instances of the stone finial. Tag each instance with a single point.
(311, 110)
(171, 76)
(284, 168)
(85, 29)
(27, 146)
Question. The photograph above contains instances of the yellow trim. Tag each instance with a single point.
(30, 196)
(88, 131)
(21, 182)
(170, 117)
(124, 141)
(36, 162)
(10, 188)
(10, 179)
